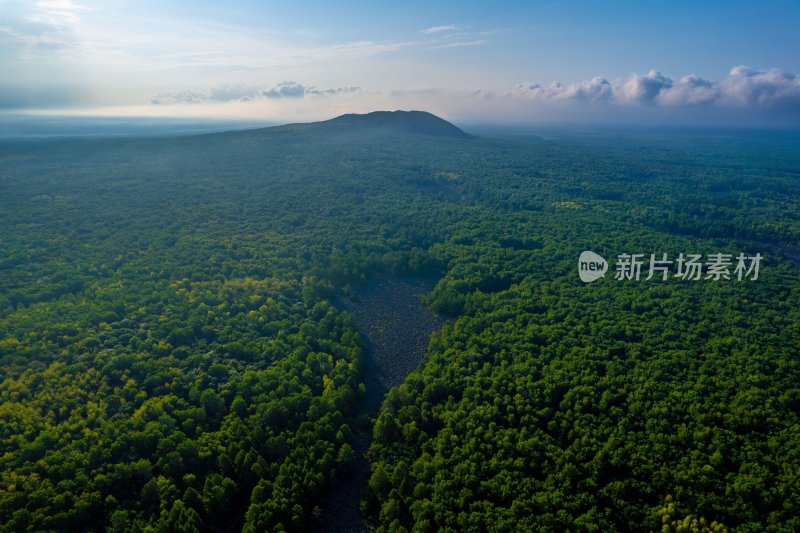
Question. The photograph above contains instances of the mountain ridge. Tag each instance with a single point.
(385, 122)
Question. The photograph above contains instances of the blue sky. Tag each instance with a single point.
(475, 61)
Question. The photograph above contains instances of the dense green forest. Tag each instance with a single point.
(174, 355)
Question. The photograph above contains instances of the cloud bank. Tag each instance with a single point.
(743, 87)
(247, 93)
(746, 96)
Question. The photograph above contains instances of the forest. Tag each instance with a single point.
(175, 354)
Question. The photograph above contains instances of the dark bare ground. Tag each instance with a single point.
(396, 327)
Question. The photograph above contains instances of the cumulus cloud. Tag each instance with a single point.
(180, 97)
(743, 87)
(221, 93)
(333, 90)
(774, 87)
(688, 90)
(639, 88)
(292, 89)
(597, 89)
(247, 93)
(745, 96)
(285, 89)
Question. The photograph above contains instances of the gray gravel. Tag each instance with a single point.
(396, 327)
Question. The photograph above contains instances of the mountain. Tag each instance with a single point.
(383, 122)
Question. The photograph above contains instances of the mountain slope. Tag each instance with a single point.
(382, 122)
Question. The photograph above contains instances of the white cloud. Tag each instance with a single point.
(459, 44)
(689, 90)
(180, 97)
(745, 96)
(440, 29)
(749, 87)
(57, 12)
(597, 89)
(247, 93)
(345, 51)
(334, 90)
(743, 87)
(638, 88)
(285, 89)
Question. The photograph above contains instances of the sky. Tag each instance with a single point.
(639, 61)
